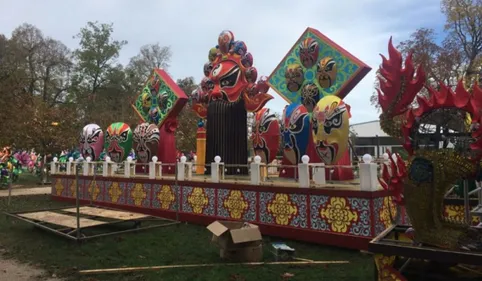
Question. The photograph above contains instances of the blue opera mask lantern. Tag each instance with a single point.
(295, 132)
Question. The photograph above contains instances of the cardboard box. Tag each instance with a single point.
(246, 254)
(237, 240)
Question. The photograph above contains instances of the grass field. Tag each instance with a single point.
(180, 244)
(27, 180)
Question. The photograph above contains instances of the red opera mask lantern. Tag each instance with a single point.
(226, 81)
(230, 76)
(309, 50)
(266, 135)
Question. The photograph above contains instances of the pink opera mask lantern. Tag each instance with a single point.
(266, 135)
(146, 141)
(225, 40)
(91, 141)
(309, 50)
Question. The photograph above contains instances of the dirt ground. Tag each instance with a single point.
(27, 191)
(12, 270)
(15, 271)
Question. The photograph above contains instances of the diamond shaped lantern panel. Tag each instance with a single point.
(316, 67)
(160, 99)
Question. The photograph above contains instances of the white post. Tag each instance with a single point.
(256, 170)
(69, 165)
(159, 170)
(53, 166)
(215, 172)
(127, 167)
(188, 171)
(106, 167)
(86, 166)
(152, 167)
(368, 174)
(181, 167)
(319, 176)
(304, 172)
(132, 167)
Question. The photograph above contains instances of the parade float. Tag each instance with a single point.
(442, 135)
(309, 203)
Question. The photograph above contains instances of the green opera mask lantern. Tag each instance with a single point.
(118, 141)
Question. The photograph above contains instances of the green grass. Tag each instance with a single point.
(180, 244)
(27, 180)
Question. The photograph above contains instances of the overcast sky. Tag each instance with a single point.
(269, 28)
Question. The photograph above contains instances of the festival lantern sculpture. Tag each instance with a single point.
(295, 133)
(160, 102)
(330, 128)
(433, 166)
(146, 142)
(313, 69)
(228, 91)
(91, 142)
(118, 141)
(5, 153)
(200, 147)
(266, 135)
(24, 158)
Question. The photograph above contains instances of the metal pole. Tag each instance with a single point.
(77, 201)
(178, 192)
(93, 184)
(9, 190)
(468, 216)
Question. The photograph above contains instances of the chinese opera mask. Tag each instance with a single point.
(118, 141)
(294, 77)
(226, 81)
(295, 132)
(310, 95)
(330, 128)
(146, 101)
(225, 40)
(146, 141)
(91, 141)
(326, 72)
(5, 153)
(309, 50)
(266, 135)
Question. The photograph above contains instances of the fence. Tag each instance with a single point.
(304, 174)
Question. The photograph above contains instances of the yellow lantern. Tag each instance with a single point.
(330, 127)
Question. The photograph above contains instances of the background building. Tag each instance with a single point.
(369, 138)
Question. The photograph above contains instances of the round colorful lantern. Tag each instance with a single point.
(146, 141)
(118, 141)
(91, 141)
(266, 135)
(330, 128)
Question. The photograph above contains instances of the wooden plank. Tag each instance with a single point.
(145, 268)
(106, 213)
(60, 219)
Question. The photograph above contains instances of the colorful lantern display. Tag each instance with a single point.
(118, 141)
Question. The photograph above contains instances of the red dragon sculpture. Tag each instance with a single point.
(433, 165)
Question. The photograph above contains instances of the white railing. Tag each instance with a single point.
(306, 174)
